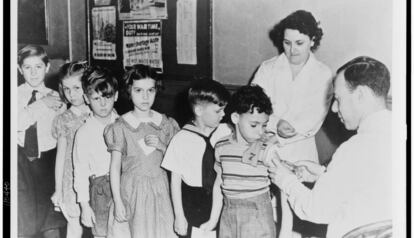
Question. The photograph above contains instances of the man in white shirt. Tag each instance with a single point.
(355, 189)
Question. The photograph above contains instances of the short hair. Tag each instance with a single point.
(369, 72)
(137, 72)
(207, 91)
(32, 50)
(76, 68)
(248, 98)
(300, 20)
(99, 80)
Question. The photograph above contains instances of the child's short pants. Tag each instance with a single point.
(100, 200)
(247, 218)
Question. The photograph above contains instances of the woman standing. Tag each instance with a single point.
(300, 90)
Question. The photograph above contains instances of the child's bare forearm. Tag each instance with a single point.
(176, 195)
(115, 176)
(217, 200)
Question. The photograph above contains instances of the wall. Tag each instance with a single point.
(351, 28)
(77, 29)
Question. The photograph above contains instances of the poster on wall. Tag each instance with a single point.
(142, 9)
(103, 33)
(142, 43)
(102, 2)
(187, 32)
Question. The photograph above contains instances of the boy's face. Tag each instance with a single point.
(143, 93)
(250, 126)
(101, 106)
(210, 114)
(34, 70)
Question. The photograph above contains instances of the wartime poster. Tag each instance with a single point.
(142, 43)
(142, 9)
(103, 33)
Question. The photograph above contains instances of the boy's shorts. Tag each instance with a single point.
(248, 217)
(100, 200)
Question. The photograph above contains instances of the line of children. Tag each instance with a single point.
(118, 162)
(64, 128)
(37, 107)
(137, 142)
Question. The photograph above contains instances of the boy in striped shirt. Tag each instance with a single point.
(242, 175)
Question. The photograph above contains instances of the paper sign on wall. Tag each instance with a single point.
(187, 32)
(142, 43)
(142, 9)
(103, 33)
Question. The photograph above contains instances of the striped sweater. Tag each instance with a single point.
(239, 179)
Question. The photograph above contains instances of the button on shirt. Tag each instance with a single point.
(356, 189)
(90, 155)
(36, 112)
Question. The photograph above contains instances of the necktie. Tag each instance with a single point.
(30, 141)
(207, 169)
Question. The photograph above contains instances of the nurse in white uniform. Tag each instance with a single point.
(300, 88)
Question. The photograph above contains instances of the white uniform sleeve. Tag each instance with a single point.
(322, 203)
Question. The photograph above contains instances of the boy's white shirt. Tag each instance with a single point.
(185, 153)
(90, 155)
(36, 112)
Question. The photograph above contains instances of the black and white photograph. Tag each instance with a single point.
(206, 119)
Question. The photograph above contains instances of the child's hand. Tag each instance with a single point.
(56, 198)
(285, 130)
(120, 212)
(208, 226)
(52, 101)
(87, 215)
(180, 226)
(154, 141)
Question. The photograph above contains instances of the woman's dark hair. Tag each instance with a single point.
(76, 68)
(248, 98)
(300, 20)
(32, 50)
(99, 80)
(137, 72)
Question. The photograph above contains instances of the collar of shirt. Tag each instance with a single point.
(42, 90)
(79, 112)
(377, 121)
(114, 116)
(156, 118)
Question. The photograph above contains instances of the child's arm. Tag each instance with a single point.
(60, 162)
(180, 222)
(115, 176)
(217, 205)
(81, 178)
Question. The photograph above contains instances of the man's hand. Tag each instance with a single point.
(278, 172)
(87, 216)
(181, 225)
(308, 171)
(285, 130)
